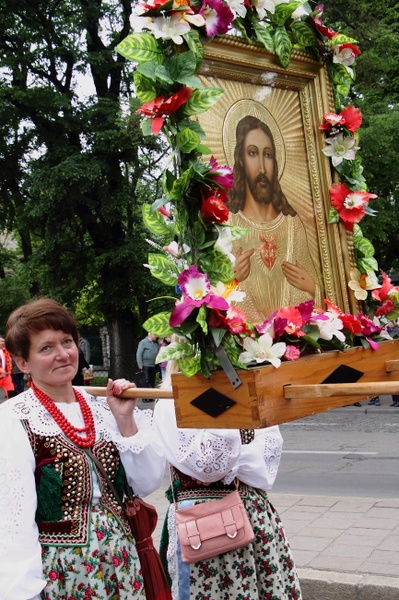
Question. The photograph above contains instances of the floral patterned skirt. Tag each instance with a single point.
(263, 570)
(107, 568)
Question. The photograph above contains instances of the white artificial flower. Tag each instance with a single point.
(170, 27)
(230, 294)
(262, 7)
(359, 283)
(262, 350)
(330, 327)
(340, 148)
(237, 7)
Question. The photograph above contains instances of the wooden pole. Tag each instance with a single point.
(132, 392)
(326, 390)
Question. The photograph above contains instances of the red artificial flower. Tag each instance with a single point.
(213, 210)
(385, 309)
(349, 205)
(382, 293)
(317, 22)
(355, 49)
(351, 324)
(352, 118)
(161, 107)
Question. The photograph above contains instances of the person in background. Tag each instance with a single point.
(5, 369)
(374, 401)
(82, 364)
(84, 345)
(62, 531)
(146, 354)
(204, 464)
(18, 379)
(163, 343)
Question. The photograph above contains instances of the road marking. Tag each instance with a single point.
(325, 452)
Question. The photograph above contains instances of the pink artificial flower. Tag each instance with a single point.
(349, 205)
(351, 323)
(165, 213)
(196, 292)
(218, 17)
(293, 317)
(223, 176)
(292, 353)
(331, 120)
(350, 118)
(317, 22)
(159, 108)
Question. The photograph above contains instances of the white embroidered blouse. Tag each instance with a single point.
(20, 554)
(211, 455)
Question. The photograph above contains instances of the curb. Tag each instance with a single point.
(331, 585)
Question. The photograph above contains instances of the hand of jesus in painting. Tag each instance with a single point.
(242, 267)
(122, 408)
(297, 275)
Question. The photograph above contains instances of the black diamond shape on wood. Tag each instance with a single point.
(212, 402)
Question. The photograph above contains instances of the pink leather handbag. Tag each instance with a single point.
(210, 528)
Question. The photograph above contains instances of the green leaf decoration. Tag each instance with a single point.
(333, 216)
(182, 65)
(194, 42)
(190, 366)
(162, 268)
(264, 36)
(282, 45)
(339, 74)
(163, 75)
(145, 89)
(176, 350)
(168, 180)
(304, 35)
(197, 234)
(217, 266)
(180, 185)
(218, 334)
(341, 39)
(201, 319)
(190, 124)
(146, 127)
(365, 247)
(187, 140)
(154, 221)
(283, 12)
(159, 324)
(141, 47)
(200, 101)
(368, 264)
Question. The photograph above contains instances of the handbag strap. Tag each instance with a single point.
(235, 481)
(104, 473)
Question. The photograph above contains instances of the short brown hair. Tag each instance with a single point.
(33, 317)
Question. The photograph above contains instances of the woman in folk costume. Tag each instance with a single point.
(5, 369)
(62, 532)
(204, 465)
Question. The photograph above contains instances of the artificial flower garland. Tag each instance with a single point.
(167, 45)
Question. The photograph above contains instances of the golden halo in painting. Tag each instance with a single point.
(238, 111)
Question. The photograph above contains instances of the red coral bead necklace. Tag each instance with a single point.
(68, 429)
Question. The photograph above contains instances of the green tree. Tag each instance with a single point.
(73, 164)
(376, 92)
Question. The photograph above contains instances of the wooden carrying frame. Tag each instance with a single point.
(269, 396)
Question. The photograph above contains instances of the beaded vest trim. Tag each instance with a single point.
(72, 498)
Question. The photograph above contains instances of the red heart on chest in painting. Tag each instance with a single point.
(268, 251)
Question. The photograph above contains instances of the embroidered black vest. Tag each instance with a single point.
(64, 489)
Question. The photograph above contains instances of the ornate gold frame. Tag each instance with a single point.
(296, 98)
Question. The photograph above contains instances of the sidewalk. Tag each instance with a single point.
(344, 548)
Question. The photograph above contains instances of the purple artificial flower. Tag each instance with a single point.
(218, 17)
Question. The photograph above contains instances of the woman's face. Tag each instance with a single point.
(53, 358)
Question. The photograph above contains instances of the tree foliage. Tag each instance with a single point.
(75, 166)
(376, 92)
